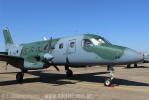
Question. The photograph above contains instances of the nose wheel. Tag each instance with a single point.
(19, 76)
(108, 81)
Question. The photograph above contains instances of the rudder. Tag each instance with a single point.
(7, 36)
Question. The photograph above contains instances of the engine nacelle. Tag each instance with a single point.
(44, 57)
(48, 57)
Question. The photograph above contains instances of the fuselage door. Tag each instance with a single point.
(72, 46)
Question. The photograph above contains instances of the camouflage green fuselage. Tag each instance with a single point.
(79, 50)
(77, 54)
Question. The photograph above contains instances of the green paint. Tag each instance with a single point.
(7, 37)
(31, 50)
(105, 51)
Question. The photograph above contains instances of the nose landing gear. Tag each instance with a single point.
(108, 81)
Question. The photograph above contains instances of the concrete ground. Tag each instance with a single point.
(87, 84)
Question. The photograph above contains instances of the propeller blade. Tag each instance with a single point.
(50, 45)
(55, 67)
(50, 51)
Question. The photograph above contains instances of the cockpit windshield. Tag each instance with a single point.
(102, 40)
(94, 41)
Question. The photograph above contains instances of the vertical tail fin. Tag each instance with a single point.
(7, 36)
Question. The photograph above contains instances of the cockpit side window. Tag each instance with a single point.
(72, 44)
(86, 43)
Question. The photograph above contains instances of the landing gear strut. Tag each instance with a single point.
(108, 81)
(69, 72)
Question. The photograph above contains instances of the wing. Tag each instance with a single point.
(3, 53)
(13, 60)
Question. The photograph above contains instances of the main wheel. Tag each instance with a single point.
(108, 82)
(69, 73)
(135, 65)
(19, 76)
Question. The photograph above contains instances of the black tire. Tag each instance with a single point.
(69, 73)
(19, 77)
(135, 65)
(108, 82)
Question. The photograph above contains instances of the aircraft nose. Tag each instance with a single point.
(133, 56)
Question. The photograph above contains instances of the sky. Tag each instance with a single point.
(122, 22)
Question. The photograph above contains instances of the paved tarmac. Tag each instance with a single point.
(87, 84)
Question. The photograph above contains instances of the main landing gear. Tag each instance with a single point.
(108, 81)
(20, 75)
(135, 65)
(69, 72)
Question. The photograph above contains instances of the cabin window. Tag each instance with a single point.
(87, 43)
(26, 50)
(46, 47)
(39, 49)
(61, 45)
(32, 49)
(72, 44)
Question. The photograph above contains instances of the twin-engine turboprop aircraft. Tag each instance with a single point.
(74, 51)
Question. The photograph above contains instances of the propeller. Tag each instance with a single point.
(50, 45)
(49, 57)
(55, 67)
